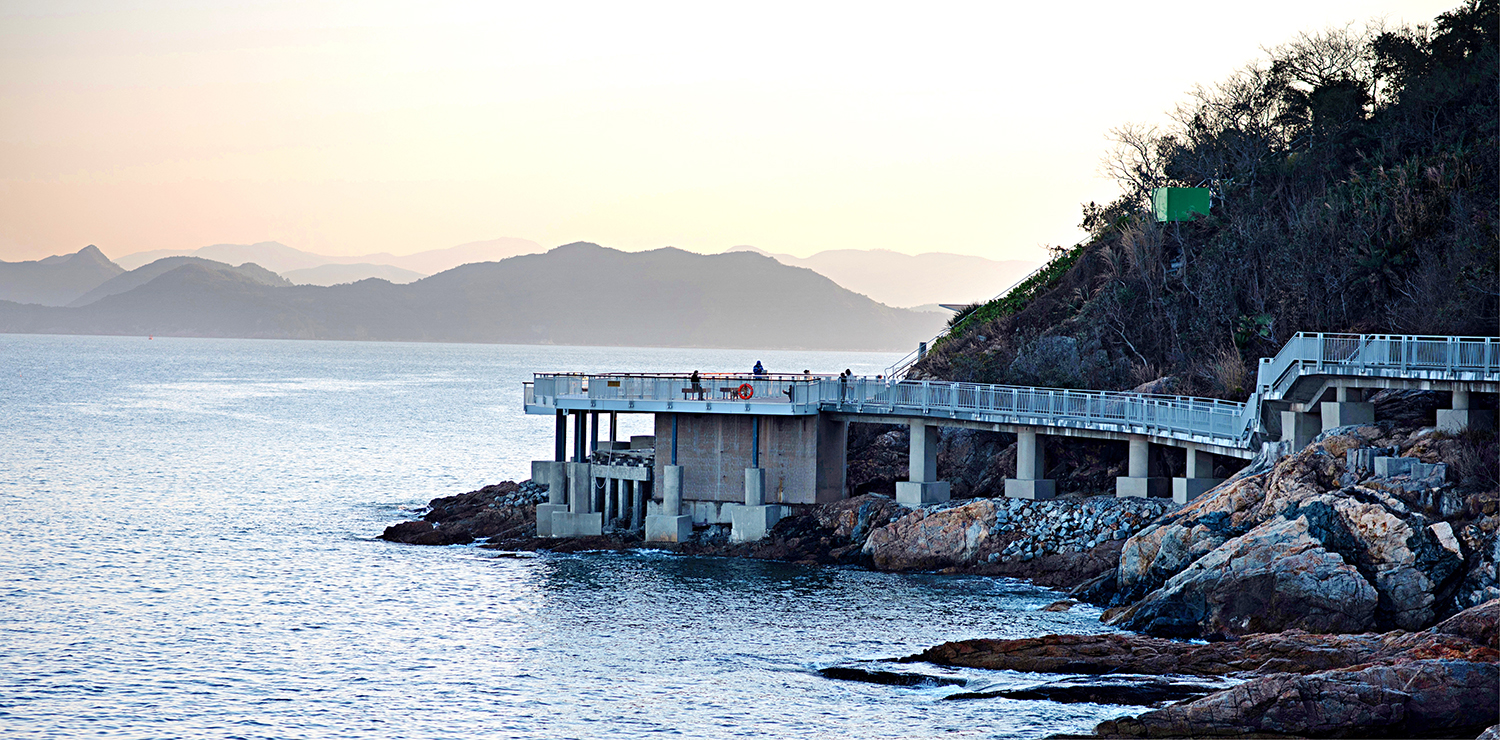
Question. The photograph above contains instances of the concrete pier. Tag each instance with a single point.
(1348, 408)
(670, 525)
(580, 520)
(1199, 476)
(554, 475)
(1031, 469)
(922, 485)
(754, 519)
(1139, 482)
(1461, 416)
(1300, 428)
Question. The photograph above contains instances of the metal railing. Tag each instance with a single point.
(1377, 355)
(1183, 417)
(1186, 418)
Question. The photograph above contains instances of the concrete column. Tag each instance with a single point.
(553, 475)
(611, 493)
(755, 519)
(670, 525)
(579, 520)
(1463, 416)
(1347, 409)
(561, 452)
(578, 441)
(637, 505)
(922, 486)
(593, 431)
(832, 460)
(1299, 428)
(1031, 469)
(614, 425)
(1138, 482)
(1199, 479)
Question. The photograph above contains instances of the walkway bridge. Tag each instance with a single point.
(712, 429)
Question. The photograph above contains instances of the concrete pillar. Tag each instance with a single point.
(1463, 416)
(1199, 479)
(1347, 409)
(614, 425)
(611, 493)
(1139, 482)
(579, 520)
(578, 442)
(1031, 469)
(593, 431)
(832, 460)
(922, 486)
(1299, 428)
(754, 520)
(670, 525)
(554, 475)
(561, 442)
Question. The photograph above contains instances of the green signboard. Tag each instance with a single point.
(1179, 204)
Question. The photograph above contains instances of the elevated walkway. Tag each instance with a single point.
(1316, 382)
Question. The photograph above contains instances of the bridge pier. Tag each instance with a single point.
(1138, 482)
(921, 485)
(670, 525)
(1031, 467)
(1299, 428)
(1348, 408)
(1461, 416)
(1199, 476)
(754, 520)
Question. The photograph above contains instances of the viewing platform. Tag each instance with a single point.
(711, 429)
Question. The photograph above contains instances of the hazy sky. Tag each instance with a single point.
(347, 128)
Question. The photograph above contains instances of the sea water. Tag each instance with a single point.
(189, 550)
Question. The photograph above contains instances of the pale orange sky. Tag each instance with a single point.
(349, 128)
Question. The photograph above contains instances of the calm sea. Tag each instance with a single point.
(189, 550)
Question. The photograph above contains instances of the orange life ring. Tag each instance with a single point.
(746, 391)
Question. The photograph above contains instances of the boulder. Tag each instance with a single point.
(1277, 576)
(924, 540)
(1424, 698)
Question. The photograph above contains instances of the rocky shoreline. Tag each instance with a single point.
(1347, 599)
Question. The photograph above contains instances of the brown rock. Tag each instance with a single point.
(1477, 623)
(1278, 576)
(1423, 698)
(1293, 651)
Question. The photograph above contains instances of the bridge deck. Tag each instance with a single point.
(1303, 368)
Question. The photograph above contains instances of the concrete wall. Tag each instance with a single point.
(714, 450)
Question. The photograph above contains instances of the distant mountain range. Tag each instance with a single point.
(578, 294)
(286, 261)
(57, 280)
(897, 279)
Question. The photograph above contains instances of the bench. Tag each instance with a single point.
(697, 390)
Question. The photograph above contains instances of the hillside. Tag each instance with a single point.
(280, 258)
(56, 280)
(578, 294)
(1353, 179)
(141, 275)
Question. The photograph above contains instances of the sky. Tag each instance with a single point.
(350, 128)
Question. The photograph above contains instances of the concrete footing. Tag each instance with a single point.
(1346, 413)
(1457, 420)
(910, 493)
(1187, 489)
(752, 523)
(1299, 428)
(572, 524)
(553, 475)
(1143, 487)
(1032, 489)
(664, 528)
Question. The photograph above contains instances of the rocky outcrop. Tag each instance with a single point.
(504, 511)
(1292, 651)
(1441, 682)
(1057, 542)
(1424, 698)
(1277, 576)
(1316, 541)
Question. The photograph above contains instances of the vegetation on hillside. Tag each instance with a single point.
(1354, 176)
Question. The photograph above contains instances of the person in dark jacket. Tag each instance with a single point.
(758, 369)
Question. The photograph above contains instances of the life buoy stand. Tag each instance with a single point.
(746, 391)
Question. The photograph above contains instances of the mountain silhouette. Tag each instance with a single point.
(56, 280)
